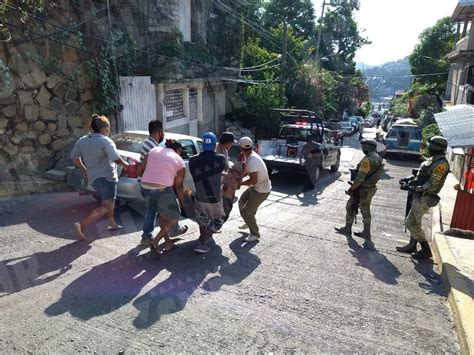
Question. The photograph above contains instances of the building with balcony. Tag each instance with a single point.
(460, 88)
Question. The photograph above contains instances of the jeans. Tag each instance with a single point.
(152, 213)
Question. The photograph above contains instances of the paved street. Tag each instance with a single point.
(301, 288)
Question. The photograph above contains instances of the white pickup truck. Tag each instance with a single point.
(283, 153)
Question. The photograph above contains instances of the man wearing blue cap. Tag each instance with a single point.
(206, 170)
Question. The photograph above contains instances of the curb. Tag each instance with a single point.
(459, 295)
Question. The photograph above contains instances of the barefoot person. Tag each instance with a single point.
(162, 169)
(95, 154)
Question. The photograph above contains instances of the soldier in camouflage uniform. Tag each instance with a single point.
(426, 184)
(363, 188)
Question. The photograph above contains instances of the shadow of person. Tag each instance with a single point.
(186, 274)
(369, 257)
(310, 197)
(106, 287)
(433, 282)
(20, 273)
(232, 274)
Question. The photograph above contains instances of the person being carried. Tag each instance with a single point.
(231, 181)
(206, 169)
(95, 154)
(163, 169)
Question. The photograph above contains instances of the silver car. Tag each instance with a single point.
(129, 145)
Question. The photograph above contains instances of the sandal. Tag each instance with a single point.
(154, 249)
(114, 228)
(182, 230)
(175, 246)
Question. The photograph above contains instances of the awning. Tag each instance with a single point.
(457, 125)
(463, 11)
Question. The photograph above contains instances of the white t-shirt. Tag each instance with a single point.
(256, 164)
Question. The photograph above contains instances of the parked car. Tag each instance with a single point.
(129, 146)
(336, 130)
(347, 128)
(404, 137)
(355, 123)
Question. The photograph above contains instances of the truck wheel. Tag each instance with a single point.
(335, 167)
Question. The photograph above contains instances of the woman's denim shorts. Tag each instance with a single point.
(106, 189)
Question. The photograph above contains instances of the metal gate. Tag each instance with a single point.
(208, 111)
(138, 98)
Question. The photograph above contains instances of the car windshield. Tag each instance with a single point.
(297, 133)
(130, 142)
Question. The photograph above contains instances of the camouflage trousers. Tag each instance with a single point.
(365, 198)
(419, 207)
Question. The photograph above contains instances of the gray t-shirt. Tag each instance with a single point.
(98, 154)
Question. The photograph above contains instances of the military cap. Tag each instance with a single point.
(437, 143)
(368, 144)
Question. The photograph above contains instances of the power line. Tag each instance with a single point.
(47, 36)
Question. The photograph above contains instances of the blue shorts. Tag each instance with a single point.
(106, 189)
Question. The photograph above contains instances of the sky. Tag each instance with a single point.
(393, 26)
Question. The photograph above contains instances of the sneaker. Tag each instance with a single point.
(145, 242)
(202, 248)
(244, 226)
(251, 238)
(78, 229)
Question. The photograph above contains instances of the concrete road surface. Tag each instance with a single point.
(302, 288)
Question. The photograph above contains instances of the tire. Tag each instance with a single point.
(317, 174)
(335, 167)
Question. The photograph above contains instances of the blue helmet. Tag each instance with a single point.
(209, 141)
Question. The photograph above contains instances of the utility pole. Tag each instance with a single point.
(283, 60)
(318, 41)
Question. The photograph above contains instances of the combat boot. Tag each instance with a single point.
(346, 230)
(409, 248)
(424, 253)
(365, 233)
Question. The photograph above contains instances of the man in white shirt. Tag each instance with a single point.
(259, 188)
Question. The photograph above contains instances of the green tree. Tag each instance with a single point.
(429, 57)
(259, 99)
(340, 39)
(299, 14)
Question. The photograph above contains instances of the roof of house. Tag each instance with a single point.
(457, 125)
(464, 11)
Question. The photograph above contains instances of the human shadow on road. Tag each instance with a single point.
(370, 258)
(187, 274)
(433, 282)
(17, 274)
(54, 214)
(107, 287)
(239, 270)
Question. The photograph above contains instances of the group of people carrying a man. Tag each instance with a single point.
(161, 173)
(216, 179)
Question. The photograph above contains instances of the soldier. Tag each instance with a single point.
(363, 188)
(426, 184)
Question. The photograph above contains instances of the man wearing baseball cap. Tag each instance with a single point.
(259, 188)
(206, 170)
